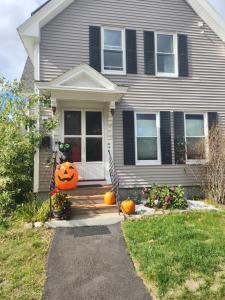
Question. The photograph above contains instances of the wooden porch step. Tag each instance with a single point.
(93, 209)
(90, 190)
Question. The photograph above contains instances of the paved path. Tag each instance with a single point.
(91, 263)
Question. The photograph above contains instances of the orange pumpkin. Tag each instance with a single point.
(110, 198)
(66, 176)
(128, 207)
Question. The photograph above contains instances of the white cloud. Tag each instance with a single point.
(12, 53)
(12, 14)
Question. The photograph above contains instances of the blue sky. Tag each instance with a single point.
(15, 12)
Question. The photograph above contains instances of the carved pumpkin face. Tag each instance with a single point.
(66, 176)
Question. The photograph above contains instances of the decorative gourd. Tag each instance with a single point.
(128, 207)
(66, 176)
(110, 198)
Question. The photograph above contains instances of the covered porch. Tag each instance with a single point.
(84, 101)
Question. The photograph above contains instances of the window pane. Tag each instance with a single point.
(94, 123)
(194, 125)
(76, 148)
(165, 63)
(113, 60)
(165, 43)
(72, 123)
(112, 39)
(196, 148)
(146, 125)
(93, 149)
(147, 149)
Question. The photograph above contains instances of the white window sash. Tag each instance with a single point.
(148, 162)
(174, 53)
(205, 136)
(122, 49)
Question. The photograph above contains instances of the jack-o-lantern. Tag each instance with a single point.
(66, 176)
(128, 207)
(110, 198)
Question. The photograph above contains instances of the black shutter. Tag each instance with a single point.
(165, 133)
(149, 52)
(183, 55)
(128, 138)
(131, 51)
(179, 138)
(212, 119)
(95, 47)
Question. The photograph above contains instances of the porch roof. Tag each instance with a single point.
(82, 82)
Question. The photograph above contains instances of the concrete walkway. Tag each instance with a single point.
(91, 263)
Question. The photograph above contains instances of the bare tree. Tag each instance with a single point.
(211, 174)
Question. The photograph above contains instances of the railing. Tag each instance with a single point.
(52, 186)
(114, 180)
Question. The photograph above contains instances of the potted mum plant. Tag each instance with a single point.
(61, 206)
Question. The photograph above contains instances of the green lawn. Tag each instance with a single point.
(180, 256)
(22, 262)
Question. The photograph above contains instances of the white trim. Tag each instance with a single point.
(106, 86)
(210, 16)
(37, 61)
(37, 154)
(175, 48)
(206, 134)
(123, 36)
(148, 162)
(29, 31)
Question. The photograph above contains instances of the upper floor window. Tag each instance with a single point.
(196, 136)
(113, 51)
(166, 54)
(147, 138)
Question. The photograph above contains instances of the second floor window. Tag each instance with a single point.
(166, 54)
(113, 51)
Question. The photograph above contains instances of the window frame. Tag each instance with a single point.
(206, 132)
(123, 35)
(175, 44)
(148, 162)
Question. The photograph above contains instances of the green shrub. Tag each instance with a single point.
(35, 210)
(18, 144)
(43, 212)
(7, 204)
(165, 197)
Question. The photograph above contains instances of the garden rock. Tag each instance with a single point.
(28, 226)
(200, 205)
(38, 224)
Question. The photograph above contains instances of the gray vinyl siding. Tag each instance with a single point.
(65, 44)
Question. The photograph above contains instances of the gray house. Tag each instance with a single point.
(138, 78)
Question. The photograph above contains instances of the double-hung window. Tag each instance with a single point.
(166, 54)
(147, 130)
(196, 133)
(113, 51)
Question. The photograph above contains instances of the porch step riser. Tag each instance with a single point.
(86, 201)
(93, 197)
(93, 211)
(86, 191)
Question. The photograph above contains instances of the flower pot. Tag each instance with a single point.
(57, 214)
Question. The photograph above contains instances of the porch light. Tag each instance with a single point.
(53, 105)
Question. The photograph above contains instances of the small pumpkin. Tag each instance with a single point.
(128, 207)
(110, 198)
(66, 176)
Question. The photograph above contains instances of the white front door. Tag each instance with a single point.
(84, 130)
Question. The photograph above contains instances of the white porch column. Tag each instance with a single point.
(55, 132)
